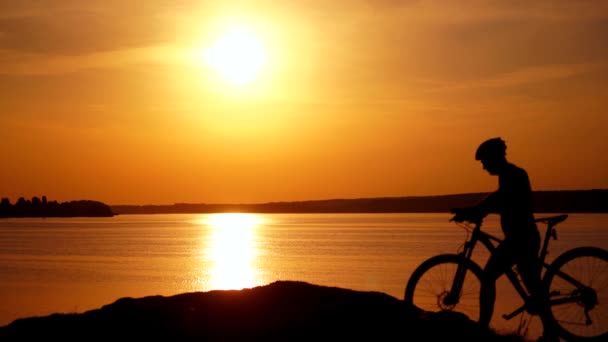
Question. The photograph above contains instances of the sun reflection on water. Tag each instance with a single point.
(232, 250)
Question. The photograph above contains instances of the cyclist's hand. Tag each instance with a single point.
(470, 214)
(457, 214)
(461, 214)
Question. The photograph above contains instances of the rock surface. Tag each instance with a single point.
(280, 311)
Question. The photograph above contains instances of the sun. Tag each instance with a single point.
(237, 56)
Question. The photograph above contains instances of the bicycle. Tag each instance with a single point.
(575, 284)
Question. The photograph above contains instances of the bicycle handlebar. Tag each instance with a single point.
(476, 221)
(462, 215)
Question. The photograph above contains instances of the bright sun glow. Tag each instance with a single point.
(237, 56)
(233, 250)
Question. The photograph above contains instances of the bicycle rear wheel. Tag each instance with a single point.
(429, 287)
(577, 284)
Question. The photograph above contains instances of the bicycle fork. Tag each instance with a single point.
(453, 297)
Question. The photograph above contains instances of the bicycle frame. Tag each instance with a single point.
(488, 241)
(568, 300)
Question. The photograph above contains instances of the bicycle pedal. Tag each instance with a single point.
(533, 310)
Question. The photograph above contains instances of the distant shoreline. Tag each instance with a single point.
(560, 201)
(40, 207)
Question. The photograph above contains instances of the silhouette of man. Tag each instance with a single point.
(513, 202)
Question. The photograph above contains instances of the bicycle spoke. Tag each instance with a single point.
(579, 307)
(432, 284)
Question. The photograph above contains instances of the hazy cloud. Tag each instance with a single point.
(524, 76)
(81, 27)
(480, 37)
(45, 65)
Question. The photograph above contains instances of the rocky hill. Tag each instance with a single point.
(281, 311)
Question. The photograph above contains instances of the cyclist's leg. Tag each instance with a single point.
(500, 260)
(529, 268)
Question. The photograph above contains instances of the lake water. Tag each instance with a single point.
(77, 264)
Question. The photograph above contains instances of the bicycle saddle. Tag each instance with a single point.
(552, 220)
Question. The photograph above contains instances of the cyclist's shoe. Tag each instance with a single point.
(548, 338)
(549, 334)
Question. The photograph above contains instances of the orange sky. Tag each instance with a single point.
(110, 101)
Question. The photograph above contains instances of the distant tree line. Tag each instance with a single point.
(41, 207)
(565, 201)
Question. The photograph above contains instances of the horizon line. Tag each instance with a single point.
(348, 199)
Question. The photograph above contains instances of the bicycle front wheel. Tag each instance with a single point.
(577, 284)
(431, 284)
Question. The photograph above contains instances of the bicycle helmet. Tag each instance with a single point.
(491, 149)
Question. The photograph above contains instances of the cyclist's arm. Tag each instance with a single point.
(479, 210)
(490, 204)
